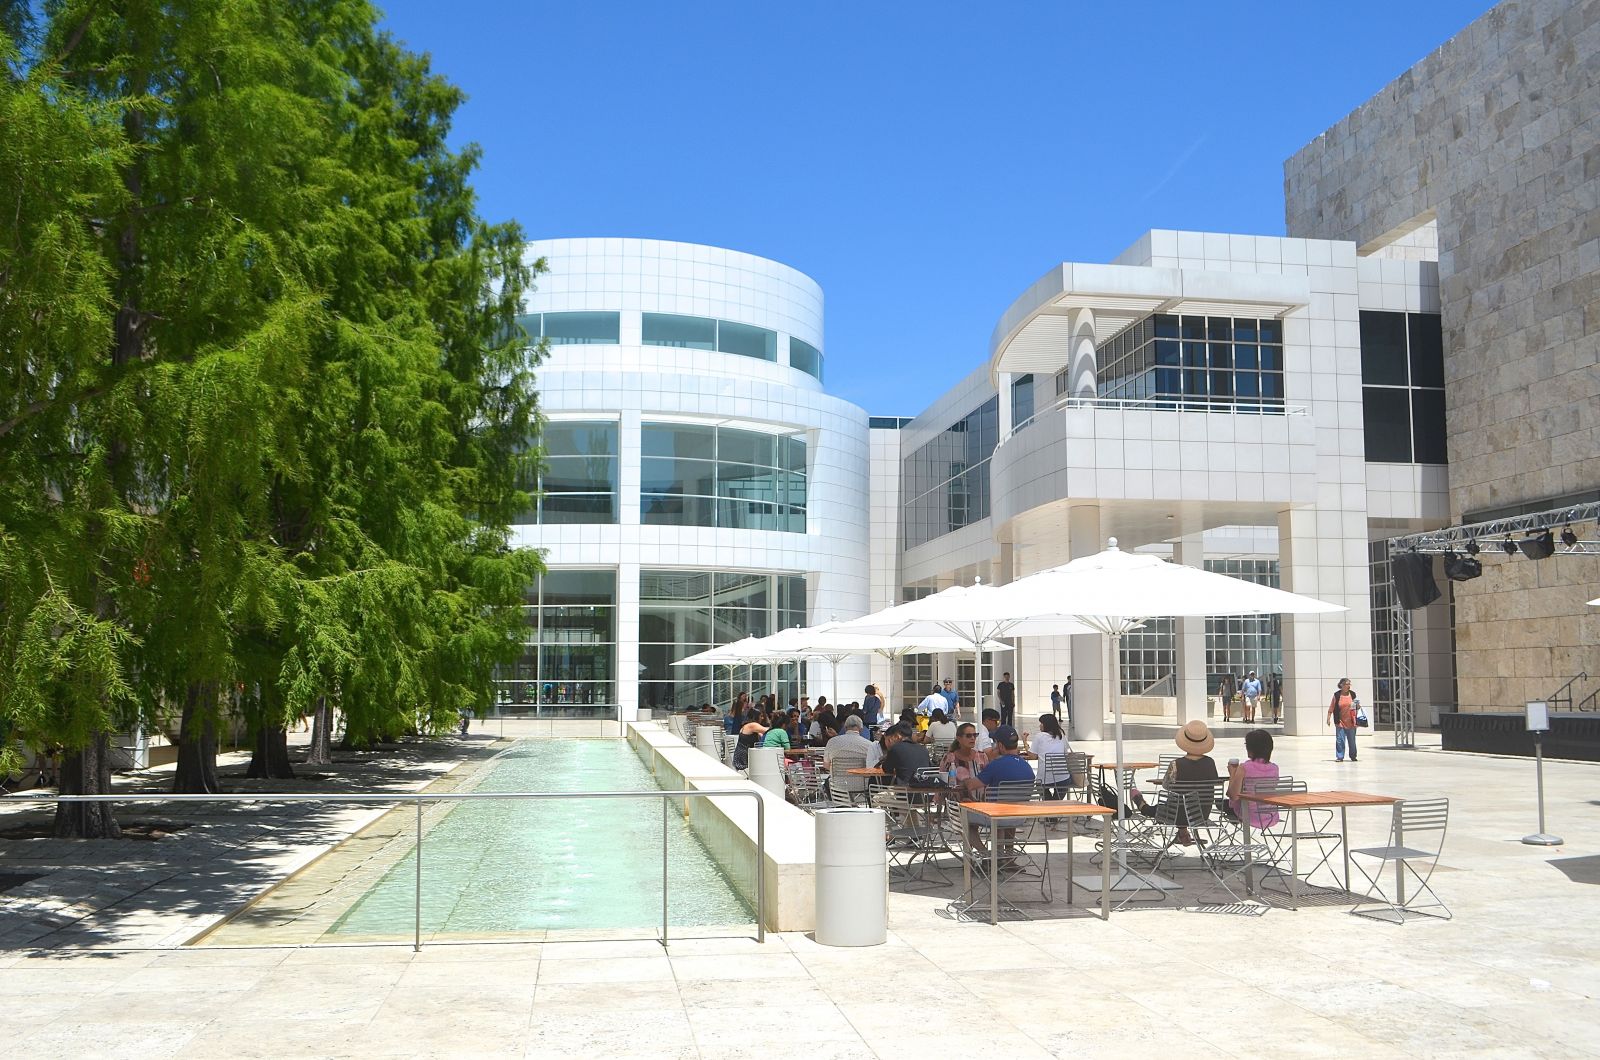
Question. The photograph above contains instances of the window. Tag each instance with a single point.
(694, 475)
(704, 333)
(578, 482)
(682, 612)
(1021, 400)
(572, 329)
(1402, 387)
(568, 665)
(946, 481)
(1171, 361)
(806, 357)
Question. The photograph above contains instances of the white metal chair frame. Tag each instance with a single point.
(1416, 836)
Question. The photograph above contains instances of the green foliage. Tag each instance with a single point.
(263, 411)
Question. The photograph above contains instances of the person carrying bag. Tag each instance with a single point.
(1345, 715)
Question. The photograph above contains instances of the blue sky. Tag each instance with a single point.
(923, 162)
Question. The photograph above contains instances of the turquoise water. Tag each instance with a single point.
(498, 867)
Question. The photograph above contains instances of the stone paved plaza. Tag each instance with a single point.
(1514, 974)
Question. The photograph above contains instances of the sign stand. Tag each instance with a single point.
(1539, 724)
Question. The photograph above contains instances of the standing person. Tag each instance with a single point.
(1275, 696)
(1226, 690)
(933, 701)
(1252, 695)
(1342, 716)
(1066, 698)
(952, 699)
(1008, 699)
(872, 708)
(1055, 702)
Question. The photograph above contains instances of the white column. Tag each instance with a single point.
(1320, 649)
(1089, 688)
(1190, 634)
(1082, 367)
(627, 673)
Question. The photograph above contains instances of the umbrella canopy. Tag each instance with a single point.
(1594, 603)
(735, 654)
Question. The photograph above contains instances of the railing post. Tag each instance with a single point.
(761, 869)
(416, 924)
(665, 810)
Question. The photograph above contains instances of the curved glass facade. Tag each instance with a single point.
(706, 333)
(568, 665)
(806, 357)
(701, 475)
(573, 329)
(682, 612)
(946, 482)
(578, 481)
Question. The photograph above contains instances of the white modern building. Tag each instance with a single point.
(699, 485)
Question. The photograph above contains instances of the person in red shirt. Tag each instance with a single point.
(1342, 716)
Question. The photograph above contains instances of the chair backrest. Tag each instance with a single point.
(1164, 762)
(1421, 823)
(937, 750)
(1194, 800)
(1010, 791)
(1055, 769)
(839, 771)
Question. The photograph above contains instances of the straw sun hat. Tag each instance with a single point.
(1194, 738)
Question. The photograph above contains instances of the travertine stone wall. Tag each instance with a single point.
(1497, 134)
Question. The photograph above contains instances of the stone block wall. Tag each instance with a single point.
(1496, 136)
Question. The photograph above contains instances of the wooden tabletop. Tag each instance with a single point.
(870, 771)
(1035, 809)
(1322, 800)
(1126, 765)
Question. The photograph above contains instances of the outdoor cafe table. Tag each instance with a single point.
(1296, 801)
(998, 813)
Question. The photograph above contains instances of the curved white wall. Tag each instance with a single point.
(634, 383)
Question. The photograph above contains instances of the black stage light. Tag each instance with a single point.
(1539, 545)
(1472, 546)
(1459, 568)
(1508, 546)
(1568, 538)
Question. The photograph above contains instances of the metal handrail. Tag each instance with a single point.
(1565, 693)
(468, 796)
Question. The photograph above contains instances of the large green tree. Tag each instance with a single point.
(298, 426)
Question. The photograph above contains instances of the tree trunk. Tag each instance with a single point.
(197, 743)
(87, 772)
(270, 759)
(320, 753)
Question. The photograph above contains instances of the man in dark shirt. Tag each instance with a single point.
(903, 756)
(1008, 700)
(1008, 765)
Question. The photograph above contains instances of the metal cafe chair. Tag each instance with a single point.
(1416, 838)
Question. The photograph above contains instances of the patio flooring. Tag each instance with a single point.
(1514, 974)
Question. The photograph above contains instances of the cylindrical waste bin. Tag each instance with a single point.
(852, 870)
(706, 740)
(766, 768)
(675, 726)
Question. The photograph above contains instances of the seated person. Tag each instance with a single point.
(902, 755)
(964, 758)
(851, 740)
(1048, 742)
(778, 735)
(991, 722)
(824, 726)
(940, 728)
(1007, 764)
(1194, 768)
(750, 735)
(1258, 766)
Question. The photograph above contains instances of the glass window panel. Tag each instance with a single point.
(1386, 415)
(1246, 384)
(1383, 348)
(1272, 358)
(1194, 384)
(745, 515)
(575, 625)
(1427, 349)
(748, 483)
(1272, 331)
(1194, 354)
(579, 438)
(1166, 326)
(532, 323)
(569, 474)
(659, 474)
(806, 357)
(581, 328)
(1166, 381)
(745, 447)
(792, 453)
(742, 590)
(567, 508)
(678, 439)
(1221, 384)
(675, 585)
(1247, 357)
(735, 623)
(569, 587)
(671, 329)
(1193, 327)
(1427, 426)
(747, 341)
(1245, 330)
(659, 509)
(1272, 385)
(674, 625)
(1219, 328)
(1221, 355)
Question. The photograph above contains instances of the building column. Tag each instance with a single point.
(1190, 636)
(1082, 364)
(1089, 687)
(627, 672)
(1320, 649)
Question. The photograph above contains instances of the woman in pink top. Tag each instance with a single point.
(1258, 745)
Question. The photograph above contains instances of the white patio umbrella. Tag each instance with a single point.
(729, 655)
(1594, 603)
(972, 614)
(832, 642)
(1112, 591)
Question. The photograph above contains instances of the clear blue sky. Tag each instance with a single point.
(923, 162)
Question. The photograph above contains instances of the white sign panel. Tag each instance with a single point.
(1538, 717)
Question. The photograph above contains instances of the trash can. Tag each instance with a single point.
(642, 714)
(706, 740)
(852, 873)
(766, 768)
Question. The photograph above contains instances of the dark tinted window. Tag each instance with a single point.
(747, 341)
(1386, 414)
(1427, 426)
(670, 329)
(1383, 348)
(1427, 350)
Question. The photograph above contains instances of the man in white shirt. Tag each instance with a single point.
(851, 740)
(933, 701)
(991, 722)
